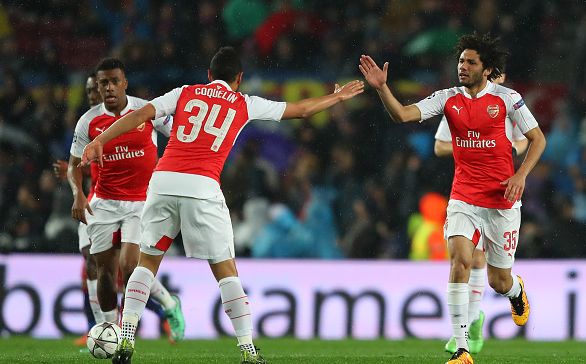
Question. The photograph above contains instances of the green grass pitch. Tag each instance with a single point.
(289, 351)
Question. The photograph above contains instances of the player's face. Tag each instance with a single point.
(470, 69)
(92, 93)
(112, 86)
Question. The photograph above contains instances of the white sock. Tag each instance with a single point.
(92, 290)
(236, 306)
(160, 294)
(129, 324)
(475, 293)
(137, 292)
(135, 299)
(111, 316)
(458, 306)
(515, 290)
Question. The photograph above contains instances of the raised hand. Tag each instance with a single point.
(349, 90)
(376, 77)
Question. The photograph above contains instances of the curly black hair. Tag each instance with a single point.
(492, 53)
(108, 64)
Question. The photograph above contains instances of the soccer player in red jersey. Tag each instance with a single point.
(443, 148)
(184, 191)
(486, 191)
(90, 268)
(113, 223)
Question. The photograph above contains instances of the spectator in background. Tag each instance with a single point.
(24, 222)
(242, 17)
(124, 20)
(427, 235)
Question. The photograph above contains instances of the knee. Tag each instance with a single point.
(499, 283)
(127, 267)
(91, 268)
(460, 264)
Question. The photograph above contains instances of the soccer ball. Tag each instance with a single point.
(102, 340)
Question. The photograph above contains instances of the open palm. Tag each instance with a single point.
(372, 73)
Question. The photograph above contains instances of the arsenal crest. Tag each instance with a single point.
(141, 126)
(493, 110)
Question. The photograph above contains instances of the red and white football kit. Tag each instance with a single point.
(482, 130)
(443, 134)
(184, 192)
(129, 161)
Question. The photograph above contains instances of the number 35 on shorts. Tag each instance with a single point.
(511, 240)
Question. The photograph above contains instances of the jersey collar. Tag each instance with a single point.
(221, 82)
(481, 93)
(122, 113)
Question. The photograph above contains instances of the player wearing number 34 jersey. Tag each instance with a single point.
(184, 191)
(213, 115)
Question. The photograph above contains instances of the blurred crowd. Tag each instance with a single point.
(344, 187)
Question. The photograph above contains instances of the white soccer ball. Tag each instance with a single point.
(102, 340)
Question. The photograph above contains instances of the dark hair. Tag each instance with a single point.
(225, 65)
(92, 74)
(108, 64)
(491, 52)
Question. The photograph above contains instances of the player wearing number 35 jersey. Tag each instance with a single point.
(486, 192)
(184, 191)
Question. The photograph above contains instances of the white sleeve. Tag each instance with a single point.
(443, 133)
(163, 125)
(167, 103)
(81, 137)
(432, 105)
(262, 109)
(520, 114)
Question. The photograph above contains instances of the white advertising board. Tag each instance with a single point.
(40, 295)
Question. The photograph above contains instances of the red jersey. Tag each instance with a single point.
(94, 172)
(207, 120)
(482, 130)
(129, 159)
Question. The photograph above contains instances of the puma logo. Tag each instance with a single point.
(458, 110)
(101, 130)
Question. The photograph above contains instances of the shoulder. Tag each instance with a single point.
(505, 93)
(91, 114)
(445, 93)
(136, 102)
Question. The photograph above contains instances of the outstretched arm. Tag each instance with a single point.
(94, 150)
(312, 106)
(377, 78)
